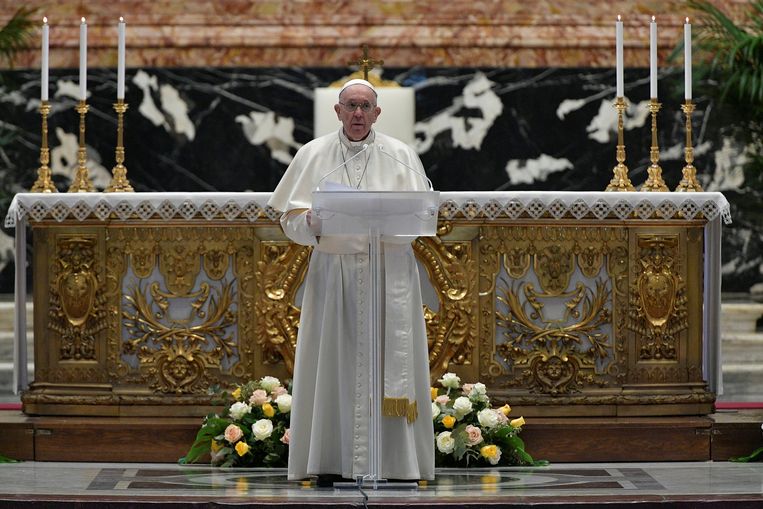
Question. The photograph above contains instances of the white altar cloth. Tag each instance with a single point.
(714, 207)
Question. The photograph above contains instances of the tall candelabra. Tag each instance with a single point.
(43, 184)
(620, 180)
(119, 182)
(81, 183)
(689, 182)
(655, 181)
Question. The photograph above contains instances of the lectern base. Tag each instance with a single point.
(377, 484)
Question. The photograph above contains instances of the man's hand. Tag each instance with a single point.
(314, 222)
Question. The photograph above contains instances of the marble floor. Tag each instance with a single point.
(690, 484)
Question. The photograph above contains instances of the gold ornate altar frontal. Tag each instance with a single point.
(141, 310)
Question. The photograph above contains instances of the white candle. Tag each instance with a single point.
(619, 55)
(653, 59)
(83, 60)
(44, 63)
(687, 59)
(121, 60)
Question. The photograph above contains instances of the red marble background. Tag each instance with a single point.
(314, 33)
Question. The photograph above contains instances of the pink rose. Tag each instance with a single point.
(286, 437)
(259, 397)
(473, 435)
(442, 400)
(233, 433)
(467, 388)
(502, 419)
(277, 391)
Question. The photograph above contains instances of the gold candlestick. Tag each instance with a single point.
(81, 183)
(43, 184)
(655, 181)
(620, 180)
(689, 182)
(119, 182)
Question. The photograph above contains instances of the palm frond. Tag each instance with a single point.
(15, 35)
(735, 51)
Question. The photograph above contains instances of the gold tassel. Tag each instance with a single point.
(400, 407)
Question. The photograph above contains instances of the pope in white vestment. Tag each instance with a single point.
(329, 431)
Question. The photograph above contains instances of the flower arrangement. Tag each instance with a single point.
(470, 433)
(253, 431)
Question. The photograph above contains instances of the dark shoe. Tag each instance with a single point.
(328, 480)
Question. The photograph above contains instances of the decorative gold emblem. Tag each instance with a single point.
(76, 281)
(658, 301)
(554, 267)
(76, 310)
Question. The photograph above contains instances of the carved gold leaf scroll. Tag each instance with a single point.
(76, 306)
(280, 271)
(552, 355)
(178, 351)
(572, 349)
(658, 298)
(452, 330)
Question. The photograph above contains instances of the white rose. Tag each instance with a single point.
(445, 442)
(450, 380)
(487, 418)
(269, 383)
(435, 410)
(262, 429)
(478, 392)
(238, 410)
(462, 406)
(284, 403)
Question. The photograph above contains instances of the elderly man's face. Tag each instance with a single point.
(357, 122)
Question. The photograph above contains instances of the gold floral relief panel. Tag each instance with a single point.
(178, 325)
(552, 293)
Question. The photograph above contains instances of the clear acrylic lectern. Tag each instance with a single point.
(376, 214)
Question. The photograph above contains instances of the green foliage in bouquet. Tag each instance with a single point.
(468, 433)
(252, 431)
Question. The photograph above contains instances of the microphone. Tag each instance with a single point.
(414, 170)
(365, 147)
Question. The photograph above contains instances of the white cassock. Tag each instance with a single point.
(330, 410)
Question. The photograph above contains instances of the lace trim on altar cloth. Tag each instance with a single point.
(469, 205)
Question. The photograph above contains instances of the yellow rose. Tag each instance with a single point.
(215, 446)
(268, 410)
(505, 409)
(518, 422)
(448, 421)
(489, 451)
(237, 393)
(242, 448)
(433, 392)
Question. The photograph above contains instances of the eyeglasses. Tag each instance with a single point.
(351, 106)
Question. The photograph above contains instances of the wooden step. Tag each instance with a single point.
(559, 440)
